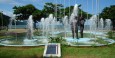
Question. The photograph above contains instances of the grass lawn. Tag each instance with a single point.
(88, 52)
(21, 52)
(67, 52)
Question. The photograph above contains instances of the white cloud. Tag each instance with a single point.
(6, 12)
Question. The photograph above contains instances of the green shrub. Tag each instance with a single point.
(93, 45)
(57, 39)
(37, 33)
(111, 35)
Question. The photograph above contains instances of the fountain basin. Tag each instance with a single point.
(88, 40)
(22, 41)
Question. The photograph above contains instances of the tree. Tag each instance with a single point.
(36, 15)
(69, 10)
(59, 12)
(4, 20)
(50, 8)
(108, 13)
(23, 12)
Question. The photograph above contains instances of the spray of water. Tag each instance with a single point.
(30, 27)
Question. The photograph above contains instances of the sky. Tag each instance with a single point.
(90, 6)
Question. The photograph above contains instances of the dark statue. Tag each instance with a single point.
(78, 23)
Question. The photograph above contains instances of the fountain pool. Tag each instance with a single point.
(50, 27)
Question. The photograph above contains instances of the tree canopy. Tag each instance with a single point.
(50, 8)
(23, 12)
(69, 10)
(109, 13)
(59, 11)
(4, 21)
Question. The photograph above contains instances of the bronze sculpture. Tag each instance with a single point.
(77, 22)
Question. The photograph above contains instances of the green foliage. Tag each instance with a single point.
(37, 33)
(93, 45)
(23, 12)
(69, 10)
(4, 20)
(108, 10)
(108, 13)
(111, 35)
(27, 9)
(50, 8)
(57, 40)
(36, 15)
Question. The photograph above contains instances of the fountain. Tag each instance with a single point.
(47, 25)
(108, 24)
(93, 33)
(50, 27)
(30, 27)
(29, 40)
(74, 13)
(43, 27)
(93, 23)
(101, 24)
(11, 20)
(66, 24)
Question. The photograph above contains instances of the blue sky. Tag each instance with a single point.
(7, 5)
